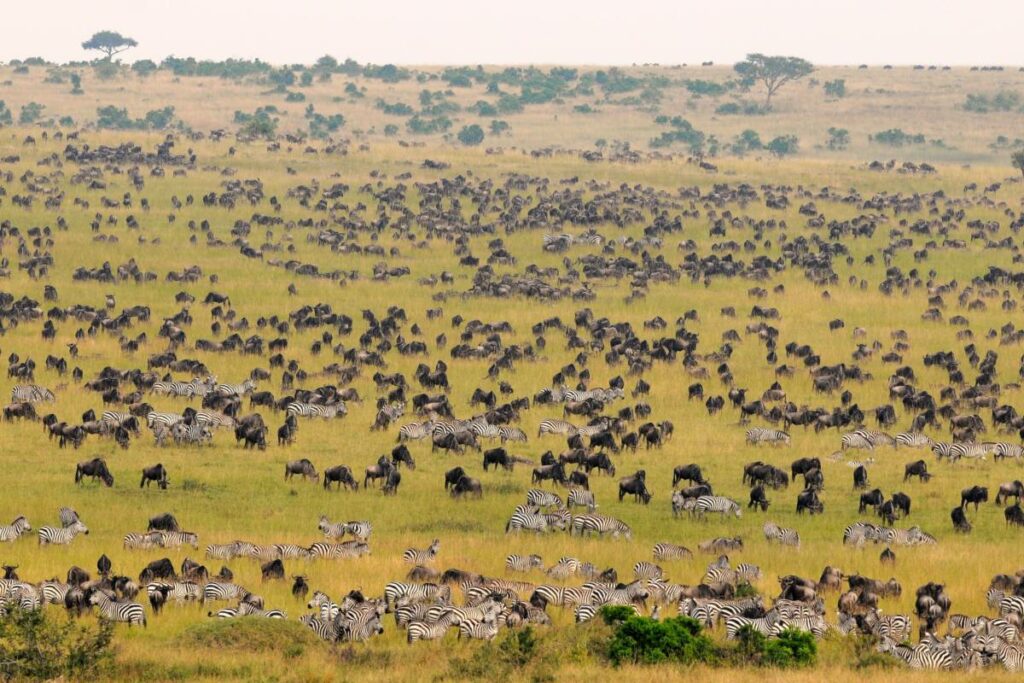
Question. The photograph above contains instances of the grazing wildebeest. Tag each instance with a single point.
(467, 486)
(301, 467)
(342, 476)
(390, 486)
(379, 471)
(1014, 515)
(901, 502)
(555, 473)
(917, 469)
(446, 442)
(860, 477)
(579, 479)
(164, 522)
(808, 500)
(804, 465)
(496, 457)
(599, 461)
(155, 473)
(974, 494)
(157, 569)
(452, 476)
(758, 498)
(1014, 489)
(873, 499)
(273, 570)
(960, 523)
(690, 473)
(635, 484)
(400, 455)
(300, 588)
(95, 468)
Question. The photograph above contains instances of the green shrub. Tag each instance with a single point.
(838, 138)
(41, 645)
(390, 130)
(642, 640)
(792, 648)
(895, 137)
(682, 131)
(395, 108)
(836, 88)
(295, 97)
(743, 108)
(259, 124)
(30, 113)
(1004, 100)
(76, 84)
(144, 67)
(701, 87)
(426, 126)
(484, 108)
(471, 135)
(321, 126)
(784, 145)
(5, 114)
(498, 126)
(105, 70)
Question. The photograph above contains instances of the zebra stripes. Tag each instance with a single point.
(557, 427)
(243, 389)
(191, 434)
(601, 525)
(920, 657)
(647, 570)
(179, 591)
(217, 590)
(339, 551)
(314, 410)
(124, 612)
(415, 431)
(523, 563)
(526, 520)
(541, 498)
(421, 630)
(1008, 450)
(671, 551)
(416, 592)
(427, 556)
(249, 610)
(511, 434)
(197, 387)
(581, 498)
(49, 535)
(777, 534)
(323, 628)
(31, 393)
(720, 504)
(759, 435)
(155, 420)
(67, 516)
(913, 440)
(14, 530)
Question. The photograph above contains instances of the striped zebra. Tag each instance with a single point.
(671, 551)
(941, 450)
(339, 551)
(332, 530)
(415, 431)
(530, 521)
(219, 590)
(243, 389)
(647, 570)
(912, 536)
(362, 622)
(1008, 450)
(421, 630)
(764, 625)
(1011, 604)
(124, 612)
(53, 592)
(224, 551)
(592, 430)
(49, 535)
(427, 556)
(115, 418)
(778, 534)
(557, 427)
(197, 387)
(291, 551)
(894, 626)
(858, 440)
(213, 419)
(191, 434)
(478, 630)
(15, 529)
(971, 450)
(716, 573)
(249, 610)
(541, 498)
(323, 628)
(913, 440)
(512, 434)
(523, 563)
(315, 410)
(388, 414)
(876, 438)
(564, 568)
(584, 613)
(408, 612)
(559, 519)
(67, 516)
(179, 591)
(165, 420)
(143, 541)
(794, 609)
(31, 393)
(1010, 655)
(361, 530)
(920, 657)
(559, 242)
(859, 532)
(176, 539)
(416, 592)
(759, 435)
(226, 613)
(581, 498)
(327, 608)
(720, 504)
(816, 626)
(601, 525)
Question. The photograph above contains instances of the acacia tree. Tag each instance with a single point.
(110, 43)
(773, 71)
(1017, 159)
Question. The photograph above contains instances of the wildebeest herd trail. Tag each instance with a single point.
(397, 402)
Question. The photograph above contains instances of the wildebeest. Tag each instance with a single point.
(872, 499)
(273, 570)
(157, 569)
(380, 470)
(390, 487)
(95, 468)
(301, 467)
(860, 477)
(635, 484)
(155, 473)
(808, 500)
(164, 522)
(917, 469)
(974, 494)
(452, 476)
(960, 523)
(1010, 489)
(467, 486)
(690, 473)
(555, 473)
(758, 498)
(342, 476)
(1014, 515)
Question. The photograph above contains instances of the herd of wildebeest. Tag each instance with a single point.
(591, 237)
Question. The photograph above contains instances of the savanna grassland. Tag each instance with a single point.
(224, 492)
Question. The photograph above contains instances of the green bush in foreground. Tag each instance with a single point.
(37, 646)
(792, 648)
(641, 640)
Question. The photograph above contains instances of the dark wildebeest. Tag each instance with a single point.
(400, 455)
(808, 500)
(95, 468)
(390, 487)
(301, 467)
(467, 486)
(635, 485)
(580, 479)
(873, 499)
(300, 588)
(164, 522)
(155, 473)
(860, 477)
(555, 473)
(916, 469)
(446, 442)
(960, 523)
(804, 465)
(103, 565)
(758, 498)
(157, 569)
(452, 476)
(690, 473)
(1014, 515)
(974, 494)
(496, 457)
(273, 570)
(604, 440)
(342, 475)
(901, 502)
(599, 461)
(1009, 489)
(381, 470)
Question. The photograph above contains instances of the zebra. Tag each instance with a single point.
(388, 414)
(67, 516)
(782, 535)
(226, 613)
(971, 450)
(213, 419)
(920, 657)
(764, 625)
(558, 242)
(165, 420)
(581, 498)
(942, 450)
(894, 626)
(54, 592)
(250, 610)
(115, 418)
(540, 498)
(564, 568)
(49, 535)
(197, 387)
(243, 389)
(421, 630)
(323, 628)
(314, 410)
(224, 551)
(647, 570)
(143, 541)
(217, 590)
(190, 434)
(670, 551)
(511, 434)
(126, 612)
(816, 626)
(15, 529)
(591, 430)
(531, 521)
(179, 591)
(876, 438)
(1011, 604)
(417, 556)
(286, 551)
(759, 435)
(176, 539)
(720, 504)
(601, 525)
(1011, 656)
(557, 427)
(859, 532)
(360, 623)
(416, 592)
(856, 440)
(415, 431)
(794, 609)
(31, 393)
(1008, 450)
(360, 530)
(523, 563)
(339, 551)
(717, 573)
(331, 530)
(478, 630)
(913, 440)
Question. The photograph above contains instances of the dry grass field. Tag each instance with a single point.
(224, 492)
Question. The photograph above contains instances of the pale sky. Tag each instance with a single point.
(527, 31)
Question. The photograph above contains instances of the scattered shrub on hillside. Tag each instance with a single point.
(352, 90)
(105, 70)
(259, 124)
(484, 108)
(702, 87)
(391, 130)
(471, 135)
(742, 108)
(389, 73)
(66, 122)
(5, 114)
(321, 126)
(42, 645)
(682, 131)
(584, 109)
(30, 113)
(836, 88)
(395, 108)
(838, 138)
(642, 640)
(144, 67)
(1004, 100)
(747, 141)
(114, 118)
(419, 125)
(784, 145)
(1003, 142)
(295, 97)
(895, 137)
(498, 127)
(76, 84)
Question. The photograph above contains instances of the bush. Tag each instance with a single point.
(390, 130)
(498, 127)
(895, 137)
(783, 145)
(682, 131)
(295, 97)
(471, 135)
(747, 141)
(5, 114)
(709, 88)
(76, 84)
(425, 126)
(395, 109)
(259, 124)
(792, 648)
(106, 70)
(484, 108)
(642, 640)
(39, 645)
(321, 126)
(838, 138)
(836, 88)
(144, 67)
(30, 113)
(1004, 100)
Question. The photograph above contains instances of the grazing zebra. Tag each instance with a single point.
(601, 525)
(15, 529)
(912, 536)
(564, 568)
(165, 420)
(421, 630)
(581, 498)
(1010, 655)
(49, 535)
(249, 610)
(859, 532)
(414, 431)
(213, 419)
(671, 551)
(197, 387)
(176, 539)
(360, 530)
(67, 516)
(388, 414)
(894, 626)
(523, 563)
(226, 613)
(557, 427)
(323, 628)
(913, 440)
(647, 570)
(759, 435)
(189, 434)
(224, 551)
(1011, 604)
(528, 520)
(970, 450)
(1008, 450)
(314, 410)
(416, 556)
(856, 440)
(331, 530)
(54, 592)
(779, 534)
(31, 393)
(942, 450)
(764, 625)
(143, 541)
(558, 242)
(339, 551)
(217, 590)
(243, 389)
(920, 657)
(125, 612)
(716, 573)
(291, 551)
(540, 498)
(416, 592)
(816, 626)
(179, 591)
(115, 418)
(511, 434)
(720, 504)
(478, 630)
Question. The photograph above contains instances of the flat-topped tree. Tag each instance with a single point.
(774, 71)
(110, 43)
(1017, 159)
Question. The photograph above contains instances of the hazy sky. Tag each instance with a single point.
(527, 31)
